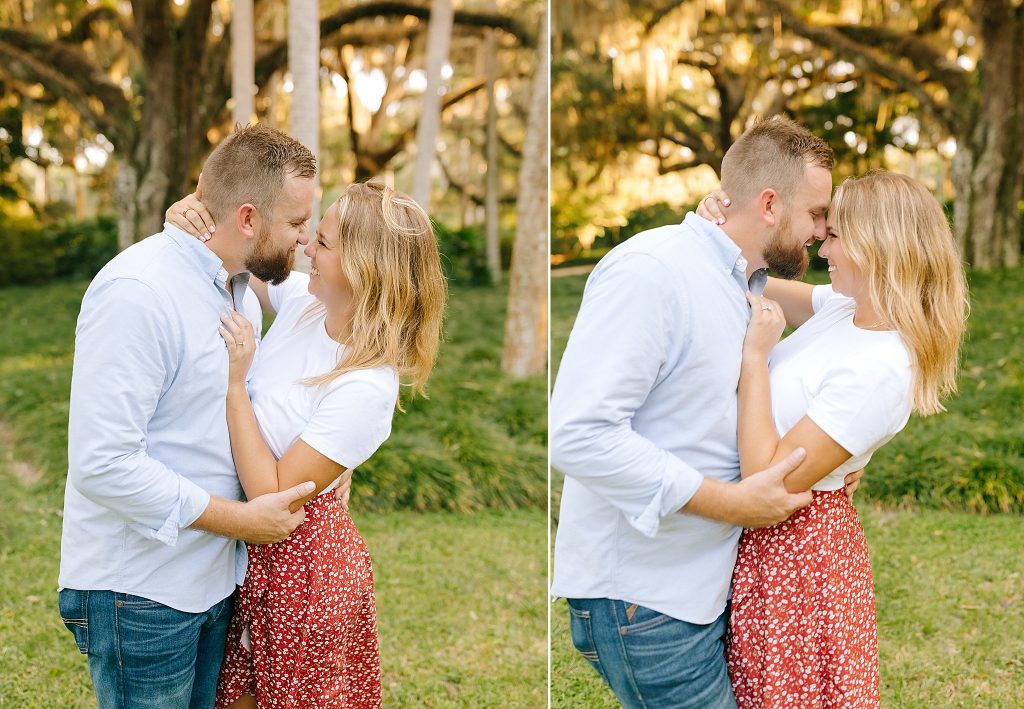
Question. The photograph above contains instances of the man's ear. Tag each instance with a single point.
(767, 203)
(247, 219)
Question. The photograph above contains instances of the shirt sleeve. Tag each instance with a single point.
(819, 295)
(353, 418)
(862, 404)
(126, 354)
(616, 353)
(297, 283)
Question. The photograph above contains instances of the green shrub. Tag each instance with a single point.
(84, 247)
(27, 252)
(34, 254)
(463, 255)
(970, 458)
(479, 441)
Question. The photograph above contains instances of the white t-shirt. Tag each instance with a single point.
(345, 420)
(854, 384)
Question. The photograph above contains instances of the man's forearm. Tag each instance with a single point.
(716, 500)
(225, 518)
(760, 500)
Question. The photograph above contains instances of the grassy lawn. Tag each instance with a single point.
(950, 622)
(949, 583)
(461, 593)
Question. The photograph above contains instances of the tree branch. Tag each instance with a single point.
(277, 56)
(913, 48)
(467, 190)
(84, 26)
(69, 74)
(866, 57)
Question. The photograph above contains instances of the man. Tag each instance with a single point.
(149, 552)
(643, 424)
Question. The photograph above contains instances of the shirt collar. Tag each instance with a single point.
(726, 251)
(208, 261)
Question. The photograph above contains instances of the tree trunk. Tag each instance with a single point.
(243, 61)
(304, 64)
(987, 169)
(154, 171)
(439, 34)
(154, 153)
(491, 234)
(526, 322)
(125, 184)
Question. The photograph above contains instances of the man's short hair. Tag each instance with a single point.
(772, 153)
(251, 166)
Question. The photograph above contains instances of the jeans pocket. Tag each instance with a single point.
(582, 634)
(127, 600)
(74, 611)
(642, 619)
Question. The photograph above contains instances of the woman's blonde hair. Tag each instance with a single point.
(388, 254)
(896, 233)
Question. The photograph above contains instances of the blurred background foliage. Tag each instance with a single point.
(648, 96)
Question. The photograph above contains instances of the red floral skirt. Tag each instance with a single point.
(802, 628)
(309, 620)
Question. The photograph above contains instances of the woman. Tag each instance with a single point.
(880, 342)
(323, 390)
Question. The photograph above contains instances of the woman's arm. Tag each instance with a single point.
(191, 216)
(759, 442)
(258, 470)
(794, 297)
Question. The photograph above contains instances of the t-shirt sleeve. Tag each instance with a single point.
(353, 418)
(820, 295)
(862, 404)
(297, 284)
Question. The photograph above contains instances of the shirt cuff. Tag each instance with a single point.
(679, 484)
(192, 502)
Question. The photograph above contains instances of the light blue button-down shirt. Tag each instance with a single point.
(147, 438)
(644, 407)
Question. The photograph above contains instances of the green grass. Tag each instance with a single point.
(948, 582)
(950, 621)
(461, 597)
(460, 606)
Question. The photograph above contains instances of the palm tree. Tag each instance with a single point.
(526, 324)
(304, 67)
(243, 58)
(439, 34)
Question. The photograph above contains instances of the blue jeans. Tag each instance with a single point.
(145, 655)
(651, 660)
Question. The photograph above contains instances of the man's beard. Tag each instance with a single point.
(783, 256)
(267, 264)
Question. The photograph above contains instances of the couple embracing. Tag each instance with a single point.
(707, 544)
(175, 421)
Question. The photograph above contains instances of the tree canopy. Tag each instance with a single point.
(666, 87)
